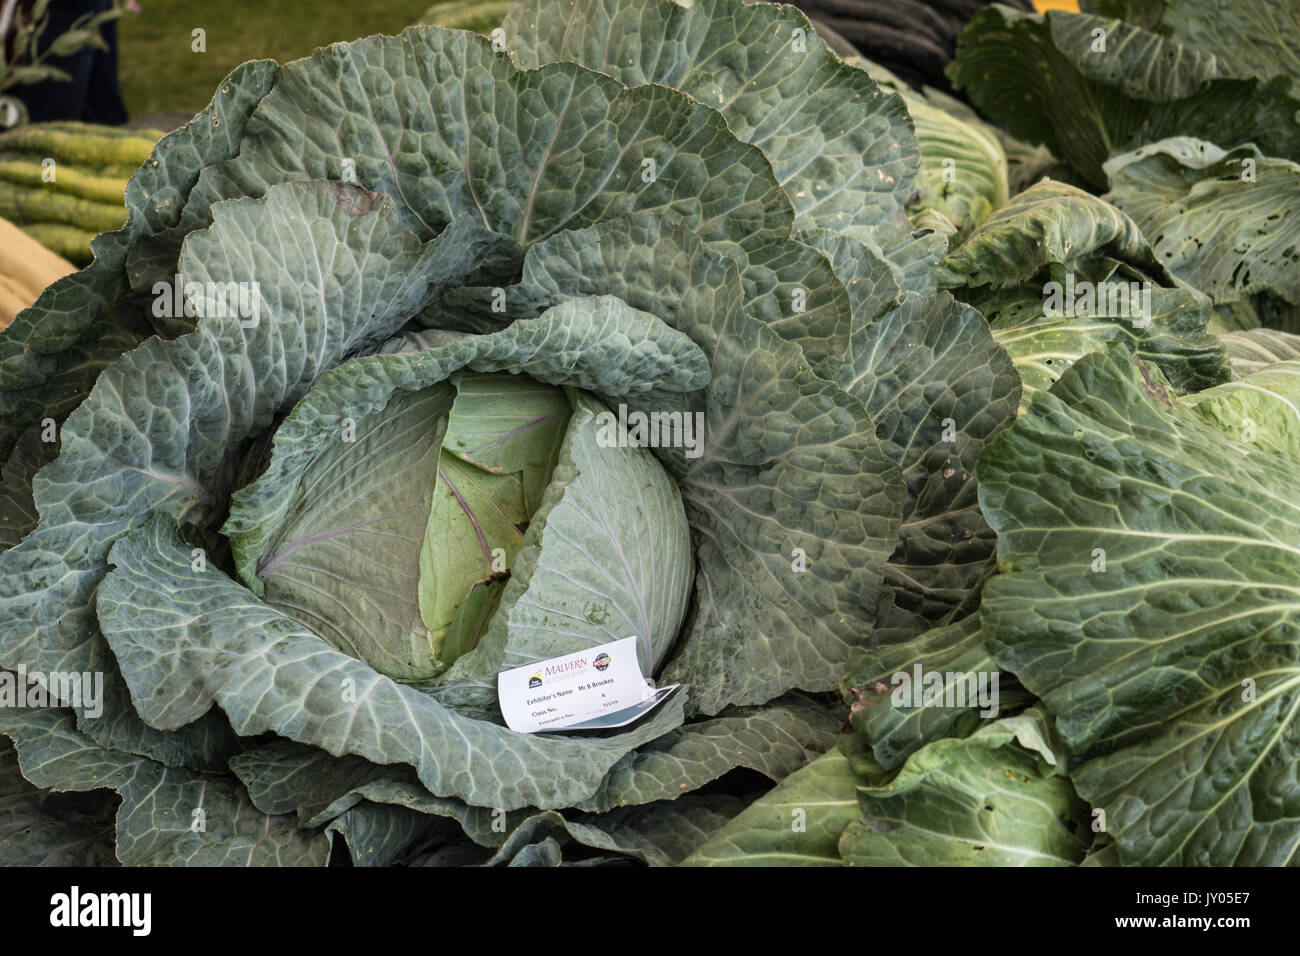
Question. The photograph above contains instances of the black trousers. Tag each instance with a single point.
(94, 94)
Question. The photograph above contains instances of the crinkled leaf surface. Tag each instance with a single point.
(381, 812)
(449, 128)
(1042, 346)
(909, 361)
(977, 801)
(164, 426)
(841, 146)
(797, 824)
(1253, 349)
(1176, 669)
(1247, 37)
(288, 777)
(789, 461)
(52, 353)
(939, 387)
(1049, 222)
(382, 834)
(156, 823)
(1046, 77)
(213, 641)
(18, 514)
(437, 120)
(46, 828)
(1223, 222)
(592, 587)
(1056, 233)
(659, 834)
(896, 732)
(775, 740)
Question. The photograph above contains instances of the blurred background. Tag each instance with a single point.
(159, 72)
(161, 69)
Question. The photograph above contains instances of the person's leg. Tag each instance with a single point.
(104, 103)
(67, 99)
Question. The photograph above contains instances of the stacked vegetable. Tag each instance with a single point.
(26, 268)
(64, 183)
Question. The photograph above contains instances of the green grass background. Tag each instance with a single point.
(159, 71)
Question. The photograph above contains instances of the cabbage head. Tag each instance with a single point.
(430, 356)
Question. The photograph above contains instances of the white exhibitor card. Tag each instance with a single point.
(592, 689)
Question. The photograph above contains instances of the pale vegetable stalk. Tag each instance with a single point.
(26, 268)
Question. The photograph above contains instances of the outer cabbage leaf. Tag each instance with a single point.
(52, 353)
(268, 124)
(526, 154)
(841, 147)
(447, 127)
(797, 824)
(893, 732)
(212, 641)
(378, 834)
(1049, 80)
(1254, 349)
(1043, 347)
(979, 801)
(165, 426)
(992, 799)
(1150, 597)
(938, 387)
(168, 816)
(18, 514)
(775, 740)
(1053, 232)
(1248, 37)
(403, 815)
(1221, 221)
(288, 777)
(659, 834)
(1049, 222)
(1261, 409)
(46, 828)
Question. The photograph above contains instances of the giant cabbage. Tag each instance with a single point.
(321, 533)
(299, 547)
